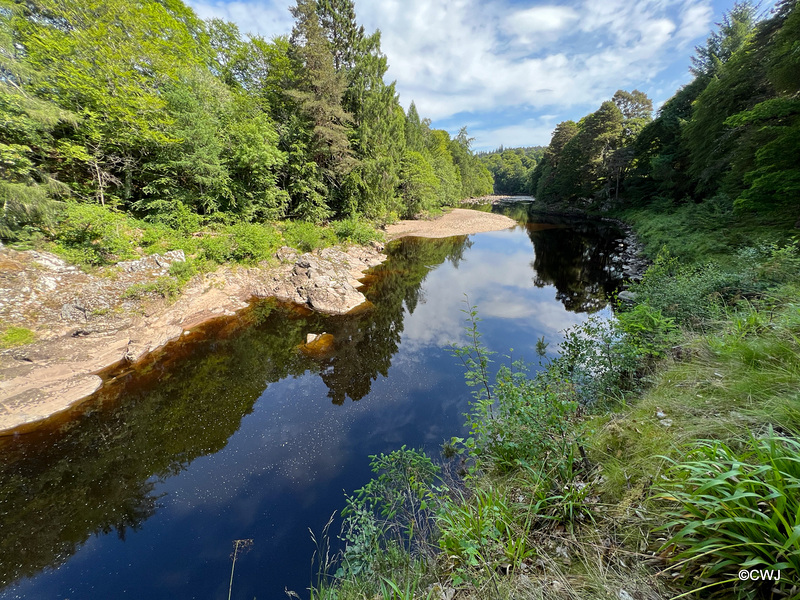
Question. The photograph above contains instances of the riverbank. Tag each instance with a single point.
(458, 221)
(599, 476)
(83, 323)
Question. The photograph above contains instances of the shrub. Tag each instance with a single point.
(217, 247)
(355, 231)
(307, 236)
(648, 330)
(253, 242)
(692, 295)
(96, 235)
(391, 515)
(243, 242)
(736, 510)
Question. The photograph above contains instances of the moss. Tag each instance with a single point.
(16, 336)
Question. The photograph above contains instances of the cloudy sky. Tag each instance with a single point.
(512, 69)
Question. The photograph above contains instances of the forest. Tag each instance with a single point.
(720, 154)
(142, 117)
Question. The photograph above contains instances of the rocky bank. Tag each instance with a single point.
(86, 322)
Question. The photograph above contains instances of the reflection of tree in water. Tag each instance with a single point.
(578, 261)
(365, 345)
(574, 255)
(96, 473)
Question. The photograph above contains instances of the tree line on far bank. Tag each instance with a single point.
(728, 140)
(147, 110)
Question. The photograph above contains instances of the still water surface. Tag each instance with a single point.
(233, 433)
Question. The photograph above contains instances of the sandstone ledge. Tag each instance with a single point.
(84, 324)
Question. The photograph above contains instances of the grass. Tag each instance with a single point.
(650, 511)
(16, 336)
(704, 231)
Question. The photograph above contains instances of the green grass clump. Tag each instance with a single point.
(16, 336)
(166, 287)
(733, 510)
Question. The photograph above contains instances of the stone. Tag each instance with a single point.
(153, 262)
(74, 311)
(626, 296)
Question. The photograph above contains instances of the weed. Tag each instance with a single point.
(166, 287)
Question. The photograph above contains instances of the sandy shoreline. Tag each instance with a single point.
(60, 370)
(459, 221)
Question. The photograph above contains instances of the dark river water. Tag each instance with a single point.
(233, 433)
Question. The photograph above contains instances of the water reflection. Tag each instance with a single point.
(580, 257)
(96, 472)
(234, 433)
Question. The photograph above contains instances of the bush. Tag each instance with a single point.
(243, 242)
(392, 514)
(736, 511)
(356, 231)
(96, 235)
(307, 236)
(692, 295)
(253, 242)
(648, 330)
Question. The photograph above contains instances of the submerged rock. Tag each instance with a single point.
(318, 344)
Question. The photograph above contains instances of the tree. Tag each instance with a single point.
(319, 96)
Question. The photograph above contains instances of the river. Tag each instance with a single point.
(234, 433)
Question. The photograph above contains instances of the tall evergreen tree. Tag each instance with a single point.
(319, 96)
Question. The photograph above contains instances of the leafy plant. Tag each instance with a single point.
(307, 236)
(394, 510)
(736, 510)
(355, 231)
(476, 532)
(166, 287)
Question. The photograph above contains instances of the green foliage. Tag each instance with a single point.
(307, 236)
(16, 336)
(94, 235)
(355, 231)
(149, 110)
(420, 186)
(476, 530)
(184, 270)
(166, 287)
(394, 510)
(691, 295)
(512, 168)
(244, 242)
(736, 510)
(648, 330)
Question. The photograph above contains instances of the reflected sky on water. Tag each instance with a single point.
(234, 433)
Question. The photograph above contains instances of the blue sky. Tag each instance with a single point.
(510, 70)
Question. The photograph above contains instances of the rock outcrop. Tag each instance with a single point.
(85, 322)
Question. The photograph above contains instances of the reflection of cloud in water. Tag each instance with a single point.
(505, 292)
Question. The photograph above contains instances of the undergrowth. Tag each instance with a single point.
(655, 457)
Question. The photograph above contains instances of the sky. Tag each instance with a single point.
(510, 70)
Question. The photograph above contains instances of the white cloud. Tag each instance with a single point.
(471, 56)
